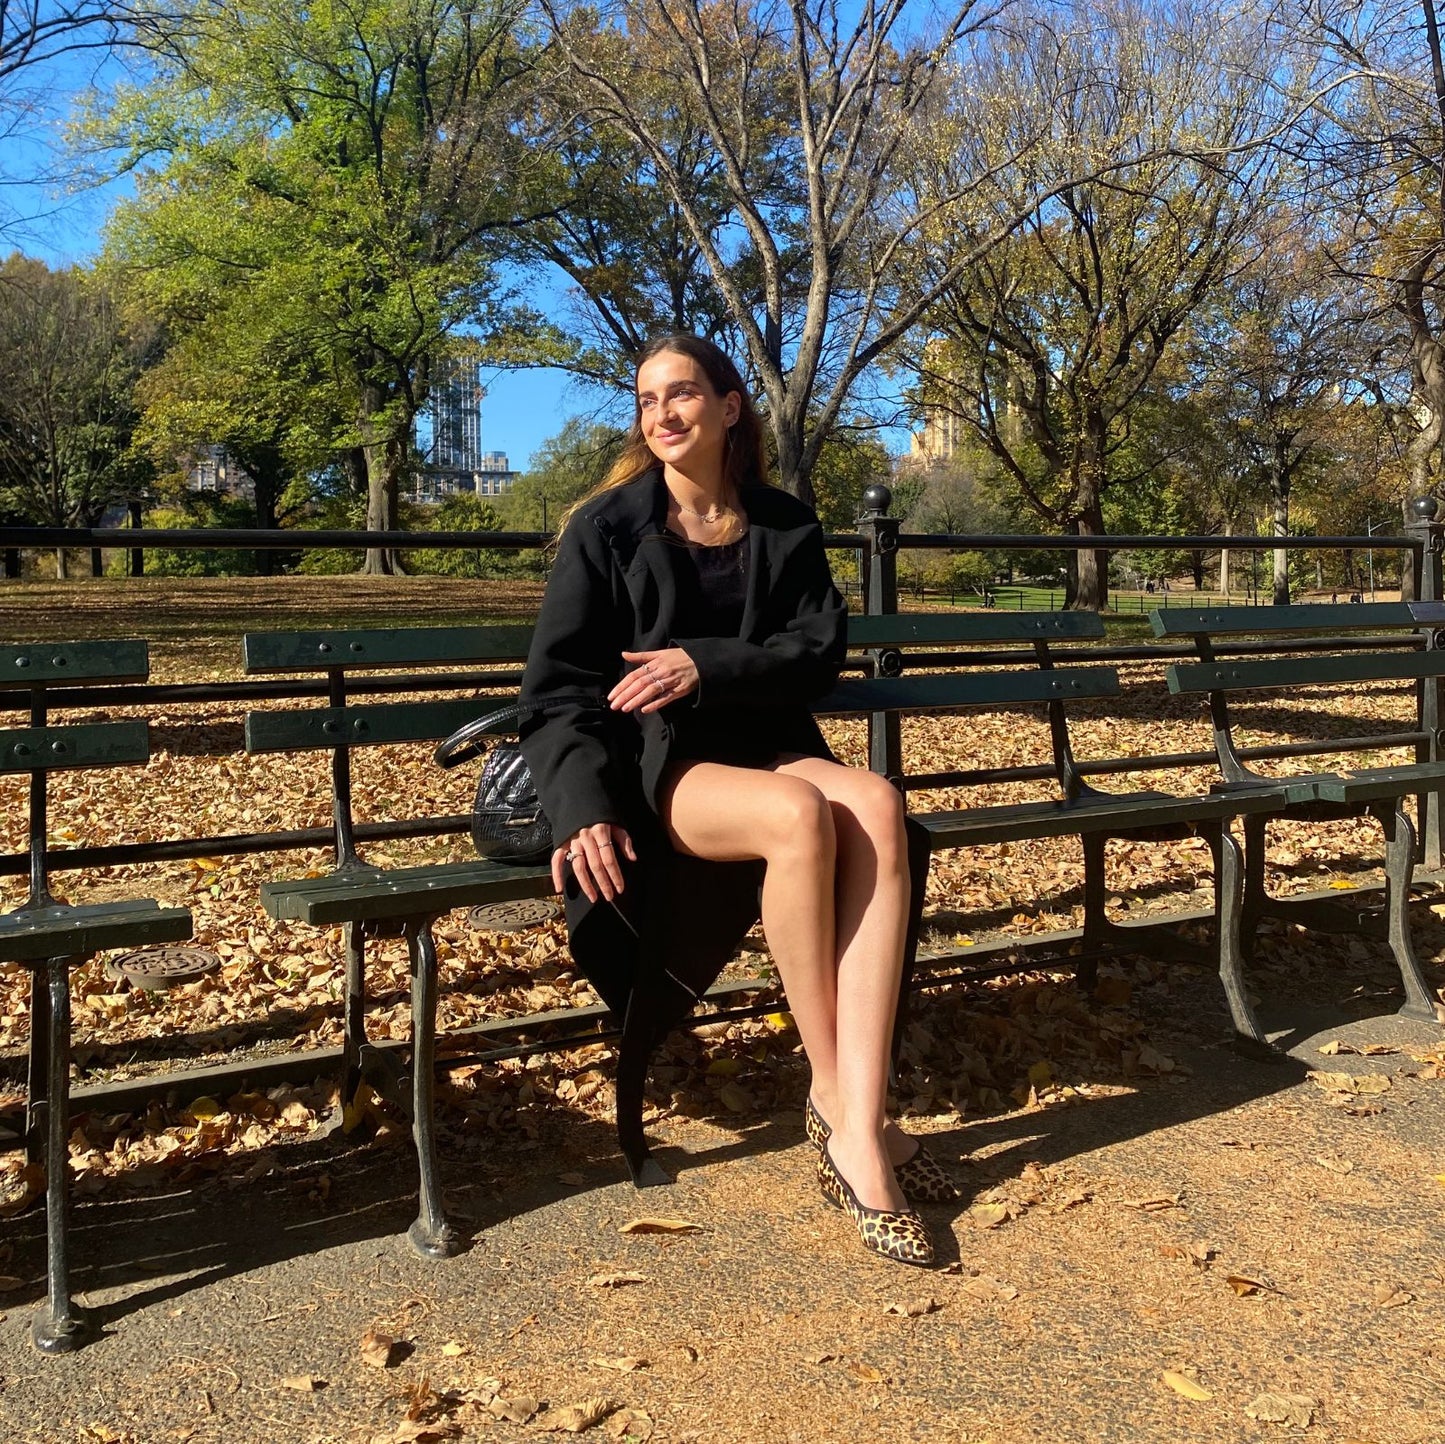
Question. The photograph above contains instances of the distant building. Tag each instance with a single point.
(213, 469)
(455, 461)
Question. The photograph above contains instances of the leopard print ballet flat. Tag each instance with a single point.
(921, 1176)
(902, 1236)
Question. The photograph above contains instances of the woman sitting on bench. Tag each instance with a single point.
(689, 621)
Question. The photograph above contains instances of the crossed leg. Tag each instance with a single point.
(835, 911)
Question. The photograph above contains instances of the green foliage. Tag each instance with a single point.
(68, 369)
(465, 511)
(849, 462)
(566, 467)
(201, 509)
(322, 196)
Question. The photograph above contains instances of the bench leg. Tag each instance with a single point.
(353, 1012)
(1399, 869)
(59, 1326)
(1228, 909)
(431, 1235)
(1256, 900)
(38, 1075)
(1098, 930)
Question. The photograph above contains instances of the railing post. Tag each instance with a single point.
(1428, 534)
(880, 598)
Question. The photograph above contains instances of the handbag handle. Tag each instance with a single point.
(466, 742)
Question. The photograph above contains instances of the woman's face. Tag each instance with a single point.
(683, 420)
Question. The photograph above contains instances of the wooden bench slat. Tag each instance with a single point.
(1302, 671)
(975, 689)
(934, 628)
(1374, 784)
(1117, 815)
(363, 724)
(382, 647)
(64, 931)
(61, 664)
(1324, 617)
(85, 744)
(364, 894)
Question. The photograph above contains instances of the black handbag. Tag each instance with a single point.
(508, 824)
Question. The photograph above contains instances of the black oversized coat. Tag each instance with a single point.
(613, 588)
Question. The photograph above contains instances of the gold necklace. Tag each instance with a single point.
(710, 518)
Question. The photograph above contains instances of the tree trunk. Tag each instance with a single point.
(1427, 364)
(1196, 567)
(1279, 496)
(1224, 568)
(788, 437)
(383, 446)
(97, 563)
(1093, 588)
(61, 575)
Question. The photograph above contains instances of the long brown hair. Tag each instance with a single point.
(745, 459)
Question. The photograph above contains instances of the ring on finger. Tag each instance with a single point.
(569, 856)
(603, 845)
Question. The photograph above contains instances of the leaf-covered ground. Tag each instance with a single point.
(1190, 1234)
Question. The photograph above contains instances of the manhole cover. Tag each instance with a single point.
(512, 917)
(162, 967)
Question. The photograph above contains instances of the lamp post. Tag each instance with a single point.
(1370, 556)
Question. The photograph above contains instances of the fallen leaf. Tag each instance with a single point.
(659, 1225)
(1244, 1285)
(576, 1418)
(618, 1278)
(303, 1383)
(736, 1099)
(378, 1349)
(453, 1349)
(9, 1283)
(989, 1215)
(1335, 1163)
(1350, 1082)
(516, 1410)
(31, 1179)
(631, 1425)
(1391, 1296)
(626, 1365)
(988, 1288)
(572, 1180)
(914, 1308)
(822, 1358)
(1296, 1409)
(1155, 1203)
(416, 1431)
(865, 1373)
(1186, 1387)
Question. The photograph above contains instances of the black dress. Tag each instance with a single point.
(712, 589)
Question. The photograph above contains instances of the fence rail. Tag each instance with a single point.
(877, 544)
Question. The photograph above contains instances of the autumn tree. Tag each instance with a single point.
(68, 366)
(1046, 345)
(341, 182)
(1379, 148)
(805, 108)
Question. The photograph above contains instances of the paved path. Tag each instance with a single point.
(1134, 1209)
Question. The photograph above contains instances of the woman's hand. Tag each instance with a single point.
(656, 679)
(591, 853)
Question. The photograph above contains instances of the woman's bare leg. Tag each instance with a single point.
(835, 897)
(871, 912)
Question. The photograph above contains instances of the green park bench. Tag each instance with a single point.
(1022, 665)
(1378, 792)
(50, 936)
(370, 902)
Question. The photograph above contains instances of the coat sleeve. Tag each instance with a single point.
(799, 661)
(575, 653)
